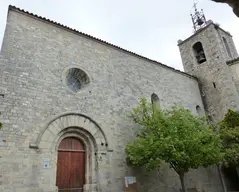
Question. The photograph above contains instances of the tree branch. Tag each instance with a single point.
(175, 169)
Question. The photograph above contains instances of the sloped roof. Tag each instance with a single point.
(14, 8)
(233, 61)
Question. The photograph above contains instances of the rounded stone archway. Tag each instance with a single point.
(85, 129)
(59, 124)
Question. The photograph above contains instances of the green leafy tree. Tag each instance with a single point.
(174, 136)
(229, 134)
(0, 125)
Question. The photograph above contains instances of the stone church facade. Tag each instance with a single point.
(58, 85)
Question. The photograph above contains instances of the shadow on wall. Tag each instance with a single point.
(231, 179)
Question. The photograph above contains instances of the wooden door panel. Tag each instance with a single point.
(76, 145)
(77, 169)
(63, 170)
(70, 166)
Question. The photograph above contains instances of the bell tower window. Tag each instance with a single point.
(227, 47)
(199, 53)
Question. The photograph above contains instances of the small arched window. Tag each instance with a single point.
(199, 52)
(154, 99)
(199, 111)
(227, 47)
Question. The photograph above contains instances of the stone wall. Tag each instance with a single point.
(232, 48)
(219, 90)
(234, 67)
(35, 55)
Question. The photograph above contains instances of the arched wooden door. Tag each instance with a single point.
(70, 165)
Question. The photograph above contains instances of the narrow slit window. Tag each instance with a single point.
(214, 85)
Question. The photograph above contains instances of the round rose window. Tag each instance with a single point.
(76, 79)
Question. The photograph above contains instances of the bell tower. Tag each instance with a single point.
(205, 55)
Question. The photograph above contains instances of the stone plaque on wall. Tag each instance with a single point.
(46, 163)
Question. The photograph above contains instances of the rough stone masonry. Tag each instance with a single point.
(56, 83)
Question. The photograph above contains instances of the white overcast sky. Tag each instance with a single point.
(148, 27)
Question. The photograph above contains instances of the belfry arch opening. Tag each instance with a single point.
(227, 47)
(199, 53)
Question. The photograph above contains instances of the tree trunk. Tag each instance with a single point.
(181, 175)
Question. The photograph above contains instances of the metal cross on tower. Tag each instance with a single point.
(198, 18)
